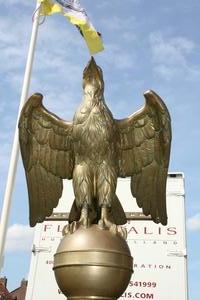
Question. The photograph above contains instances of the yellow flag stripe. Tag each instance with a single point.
(92, 38)
(49, 8)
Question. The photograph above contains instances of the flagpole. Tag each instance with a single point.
(15, 148)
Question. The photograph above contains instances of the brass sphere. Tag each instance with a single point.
(93, 264)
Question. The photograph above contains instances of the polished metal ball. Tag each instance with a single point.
(93, 264)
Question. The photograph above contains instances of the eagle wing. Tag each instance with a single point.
(46, 148)
(144, 150)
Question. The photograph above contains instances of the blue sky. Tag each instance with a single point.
(148, 45)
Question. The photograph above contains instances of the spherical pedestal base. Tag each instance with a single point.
(93, 264)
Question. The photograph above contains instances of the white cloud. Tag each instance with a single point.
(104, 3)
(118, 24)
(171, 56)
(172, 50)
(13, 47)
(16, 2)
(119, 58)
(19, 238)
(193, 223)
(54, 50)
(56, 72)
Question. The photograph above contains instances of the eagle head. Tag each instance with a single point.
(93, 77)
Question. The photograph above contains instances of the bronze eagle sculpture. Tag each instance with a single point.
(94, 150)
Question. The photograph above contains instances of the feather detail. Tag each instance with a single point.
(144, 155)
(46, 148)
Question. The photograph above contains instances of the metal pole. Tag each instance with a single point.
(15, 148)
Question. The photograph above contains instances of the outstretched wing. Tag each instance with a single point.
(46, 148)
(144, 150)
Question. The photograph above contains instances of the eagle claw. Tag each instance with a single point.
(113, 228)
(72, 227)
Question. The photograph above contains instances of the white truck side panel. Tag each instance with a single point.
(159, 252)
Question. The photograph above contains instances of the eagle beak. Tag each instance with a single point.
(93, 75)
(91, 65)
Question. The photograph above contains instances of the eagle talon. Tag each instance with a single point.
(105, 224)
(113, 229)
(72, 227)
(122, 231)
(119, 230)
(101, 224)
(66, 230)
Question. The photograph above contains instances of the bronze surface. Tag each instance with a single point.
(94, 150)
(93, 263)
